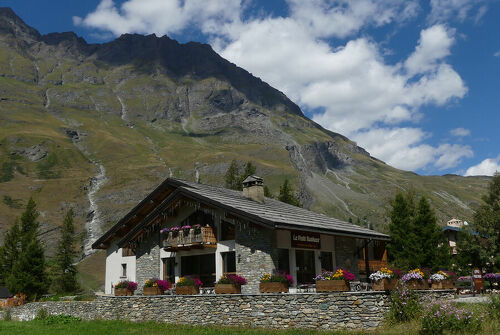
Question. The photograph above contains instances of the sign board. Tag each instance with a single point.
(305, 240)
(478, 279)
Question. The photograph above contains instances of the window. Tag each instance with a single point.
(169, 269)
(124, 270)
(227, 231)
(283, 261)
(228, 262)
(201, 266)
(326, 261)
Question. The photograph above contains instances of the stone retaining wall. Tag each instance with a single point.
(354, 310)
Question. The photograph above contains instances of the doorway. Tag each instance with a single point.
(306, 270)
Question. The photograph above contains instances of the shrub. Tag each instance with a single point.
(444, 316)
(404, 305)
(7, 316)
(59, 319)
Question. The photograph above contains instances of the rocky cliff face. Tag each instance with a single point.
(97, 126)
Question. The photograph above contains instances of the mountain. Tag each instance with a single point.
(97, 126)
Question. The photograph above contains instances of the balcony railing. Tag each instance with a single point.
(188, 239)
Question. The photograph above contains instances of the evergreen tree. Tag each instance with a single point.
(267, 192)
(232, 176)
(28, 273)
(483, 248)
(433, 250)
(401, 246)
(249, 170)
(9, 252)
(286, 194)
(65, 271)
(471, 252)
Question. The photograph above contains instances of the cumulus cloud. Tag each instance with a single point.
(460, 132)
(487, 167)
(358, 92)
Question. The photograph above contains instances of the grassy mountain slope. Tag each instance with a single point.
(98, 126)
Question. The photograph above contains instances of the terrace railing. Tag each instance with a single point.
(190, 238)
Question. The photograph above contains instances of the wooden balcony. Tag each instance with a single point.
(194, 238)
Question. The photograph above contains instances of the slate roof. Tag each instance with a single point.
(272, 213)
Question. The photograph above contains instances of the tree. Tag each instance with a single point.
(400, 247)
(234, 179)
(286, 194)
(65, 270)
(9, 252)
(28, 273)
(416, 239)
(479, 245)
(267, 192)
(433, 251)
(232, 176)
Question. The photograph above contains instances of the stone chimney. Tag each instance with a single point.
(253, 188)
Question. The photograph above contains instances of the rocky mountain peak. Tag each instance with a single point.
(11, 24)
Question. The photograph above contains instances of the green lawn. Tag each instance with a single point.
(146, 328)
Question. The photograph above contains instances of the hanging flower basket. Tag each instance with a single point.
(386, 284)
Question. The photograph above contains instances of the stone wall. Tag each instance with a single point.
(353, 310)
(254, 254)
(148, 259)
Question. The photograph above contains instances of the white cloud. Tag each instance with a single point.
(404, 148)
(444, 10)
(360, 94)
(497, 54)
(460, 132)
(160, 16)
(486, 168)
(434, 45)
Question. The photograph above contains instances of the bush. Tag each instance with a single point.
(60, 319)
(41, 314)
(443, 316)
(404, 305)
(494, 305)
(7, 316)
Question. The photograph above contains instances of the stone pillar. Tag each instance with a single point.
(254, 254)
(148, 260)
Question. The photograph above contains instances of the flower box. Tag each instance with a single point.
(443, 285)
(332, 285)
(187, 290)
(227, 289)
(385, 284)
(273, 287)
(120, 292)
(151, 291)
(418, 285)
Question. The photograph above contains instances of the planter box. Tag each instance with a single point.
(273, 287)
(152, 291)
(418, 285)
(332, 286)
(187, 290)
(385, 284)
(443, 285)
(227, 289)
(120, 292)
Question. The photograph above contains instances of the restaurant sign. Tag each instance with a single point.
(306, 240)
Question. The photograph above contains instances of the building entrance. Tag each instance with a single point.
(306, 270)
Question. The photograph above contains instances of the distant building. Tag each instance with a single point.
(451, 232)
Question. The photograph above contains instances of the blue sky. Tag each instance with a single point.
(416, 83)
